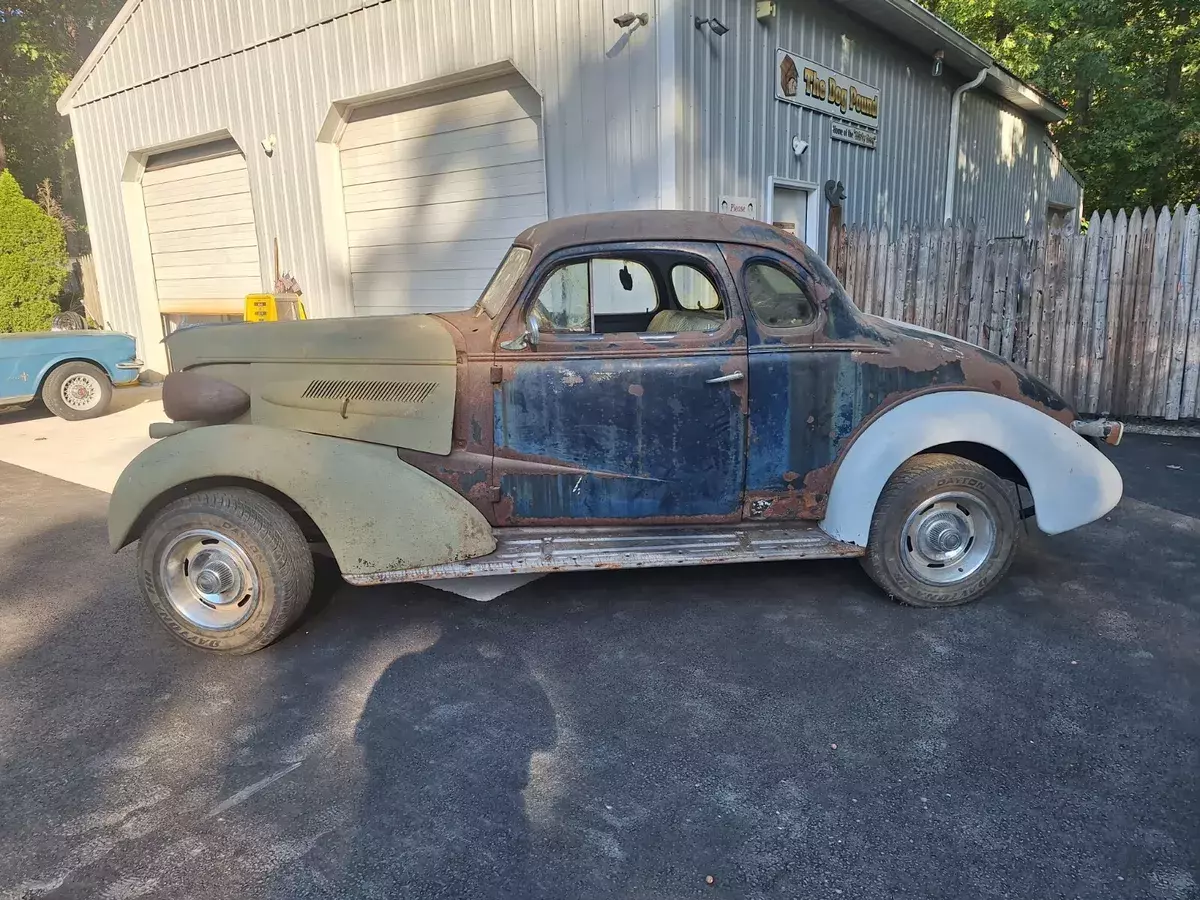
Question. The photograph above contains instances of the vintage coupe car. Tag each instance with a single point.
(632, 389)
(72, 372)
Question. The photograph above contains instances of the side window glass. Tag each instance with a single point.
(694, 289)
(562, 304)
(777, 299)
(621, 287)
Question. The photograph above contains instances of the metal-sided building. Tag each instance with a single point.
(385, 152)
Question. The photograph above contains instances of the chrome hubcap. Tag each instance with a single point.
(209, 579)
(81, 391)
(948, 538)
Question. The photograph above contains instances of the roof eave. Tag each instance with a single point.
(923, 30)
(65, 104)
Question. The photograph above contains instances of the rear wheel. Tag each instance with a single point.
(226, 569)
(77, 390)
(944, 532)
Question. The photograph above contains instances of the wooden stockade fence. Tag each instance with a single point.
(1109, 316)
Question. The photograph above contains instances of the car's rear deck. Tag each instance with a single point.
(534, 550)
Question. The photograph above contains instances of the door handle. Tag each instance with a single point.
(725, 379)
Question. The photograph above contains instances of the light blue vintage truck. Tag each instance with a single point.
(73, 372)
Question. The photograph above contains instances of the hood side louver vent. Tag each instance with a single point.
(376, 391)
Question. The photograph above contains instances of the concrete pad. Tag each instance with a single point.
(93, 453)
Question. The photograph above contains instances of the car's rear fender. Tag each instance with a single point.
(1072, 483)
(376, 512)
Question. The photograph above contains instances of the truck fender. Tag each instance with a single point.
(1071, 481)
(377, 512)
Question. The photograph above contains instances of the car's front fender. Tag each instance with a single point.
(1072, 483)
(377, 513)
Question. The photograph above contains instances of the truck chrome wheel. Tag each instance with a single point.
(225, 569)
(81, 391)
(943, 533)
(209, 580)
(948, 538)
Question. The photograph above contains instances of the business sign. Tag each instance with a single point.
(813, 86)
(855, 134)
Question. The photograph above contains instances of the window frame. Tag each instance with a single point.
(799, 274)
(705, 256)
(708, 257)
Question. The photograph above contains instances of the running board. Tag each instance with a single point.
(566, 549)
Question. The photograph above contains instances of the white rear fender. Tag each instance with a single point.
(1072, 483)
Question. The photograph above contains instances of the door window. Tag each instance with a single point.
(563, 304)
(621, 287)
(599, 296)
(778, 299)
(694, 289)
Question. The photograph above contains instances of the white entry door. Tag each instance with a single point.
(789, 210)
(435, 189)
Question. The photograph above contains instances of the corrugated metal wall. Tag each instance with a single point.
(1008, 168)
(735, 133)
(600, 104)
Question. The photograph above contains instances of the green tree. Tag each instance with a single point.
(1128, 72)
(33, 261)
(43, 43)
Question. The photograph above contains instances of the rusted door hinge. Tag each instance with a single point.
(497, 374)
(496, 494)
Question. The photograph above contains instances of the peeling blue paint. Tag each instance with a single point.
(651, 439)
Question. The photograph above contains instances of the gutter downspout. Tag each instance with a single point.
(952, 153)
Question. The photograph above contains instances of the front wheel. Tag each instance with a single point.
(76, 391)
(226, 569)
(944, 532)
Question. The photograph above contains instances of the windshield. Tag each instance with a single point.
(501, 285)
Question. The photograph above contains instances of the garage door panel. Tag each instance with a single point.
(225, 185)
(173, 219)
(440, 119)
(461, 213)
(468, 141)
(439, 231)
(446, 165)
(201, 271)
(392, 302)
(220, 256)
(204, 239)
(206, 288)
(460, 279)
(432, 257)
(477, 184)
(203, 169)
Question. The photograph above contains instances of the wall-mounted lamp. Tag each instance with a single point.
(938, 56)
(714, 25)
(626, 19)
(269, 143)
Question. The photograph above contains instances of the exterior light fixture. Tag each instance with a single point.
(626, 19)
(715, 25)
(938, 56)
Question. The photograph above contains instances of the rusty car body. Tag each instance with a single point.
(632, 389)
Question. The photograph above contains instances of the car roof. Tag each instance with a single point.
(655, 225)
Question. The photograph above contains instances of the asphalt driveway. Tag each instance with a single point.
(780, 727)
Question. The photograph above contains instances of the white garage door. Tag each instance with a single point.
(202, 234)
(435, 189)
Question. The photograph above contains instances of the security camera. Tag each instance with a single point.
(799, 147)
(717, 27)
(626, 19)
(269, 143)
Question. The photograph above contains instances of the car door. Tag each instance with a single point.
(794, 385)
(632, 405)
